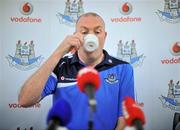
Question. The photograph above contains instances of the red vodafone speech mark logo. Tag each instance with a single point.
(26, 8)
(126, 8)
(175, 49)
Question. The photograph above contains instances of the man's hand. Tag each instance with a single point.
(31, 90)
(121, 124)
(74, 41)
(121, 121)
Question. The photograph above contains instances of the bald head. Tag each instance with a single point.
(91, 23)
(88, 15)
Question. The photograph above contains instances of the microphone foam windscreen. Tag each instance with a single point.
(132, 111)
(88, 75)
(61, 110)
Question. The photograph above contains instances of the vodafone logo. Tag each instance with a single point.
(62, 77)
(126, 8)
(17, 106)
(175, 49)
(26, 8)
(22, 128)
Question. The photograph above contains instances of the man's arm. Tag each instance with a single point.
(121, 124)
(31, 91)
(126, 90)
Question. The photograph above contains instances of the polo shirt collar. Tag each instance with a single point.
(107, 59)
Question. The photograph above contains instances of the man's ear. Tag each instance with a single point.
(105, 34)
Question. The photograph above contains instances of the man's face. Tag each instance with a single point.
(92, 25)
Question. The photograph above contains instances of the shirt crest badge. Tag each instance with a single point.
(111, 79)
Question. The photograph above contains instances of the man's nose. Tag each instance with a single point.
(91, 32)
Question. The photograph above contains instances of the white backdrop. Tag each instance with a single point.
(152, 36)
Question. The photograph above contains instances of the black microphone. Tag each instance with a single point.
(177, 126)
(176, 121)
(59, 115)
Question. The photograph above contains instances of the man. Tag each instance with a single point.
(58, 76)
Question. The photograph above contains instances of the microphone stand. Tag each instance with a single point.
(92, 109)
(138, 125)
(90, 122)
(53, 125)
(92, 105)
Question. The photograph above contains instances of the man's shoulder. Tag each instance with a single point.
(64, 62)
(118, 61)
(112, 60)
(66, 58)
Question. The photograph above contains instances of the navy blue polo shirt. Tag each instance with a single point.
(117, 81)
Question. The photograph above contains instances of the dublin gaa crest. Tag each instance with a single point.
(172, 100)
(71, 13)
(24, 58)
(171, 13)
(127, 52)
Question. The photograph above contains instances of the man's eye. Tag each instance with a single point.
(97, 32)
(84, 32)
